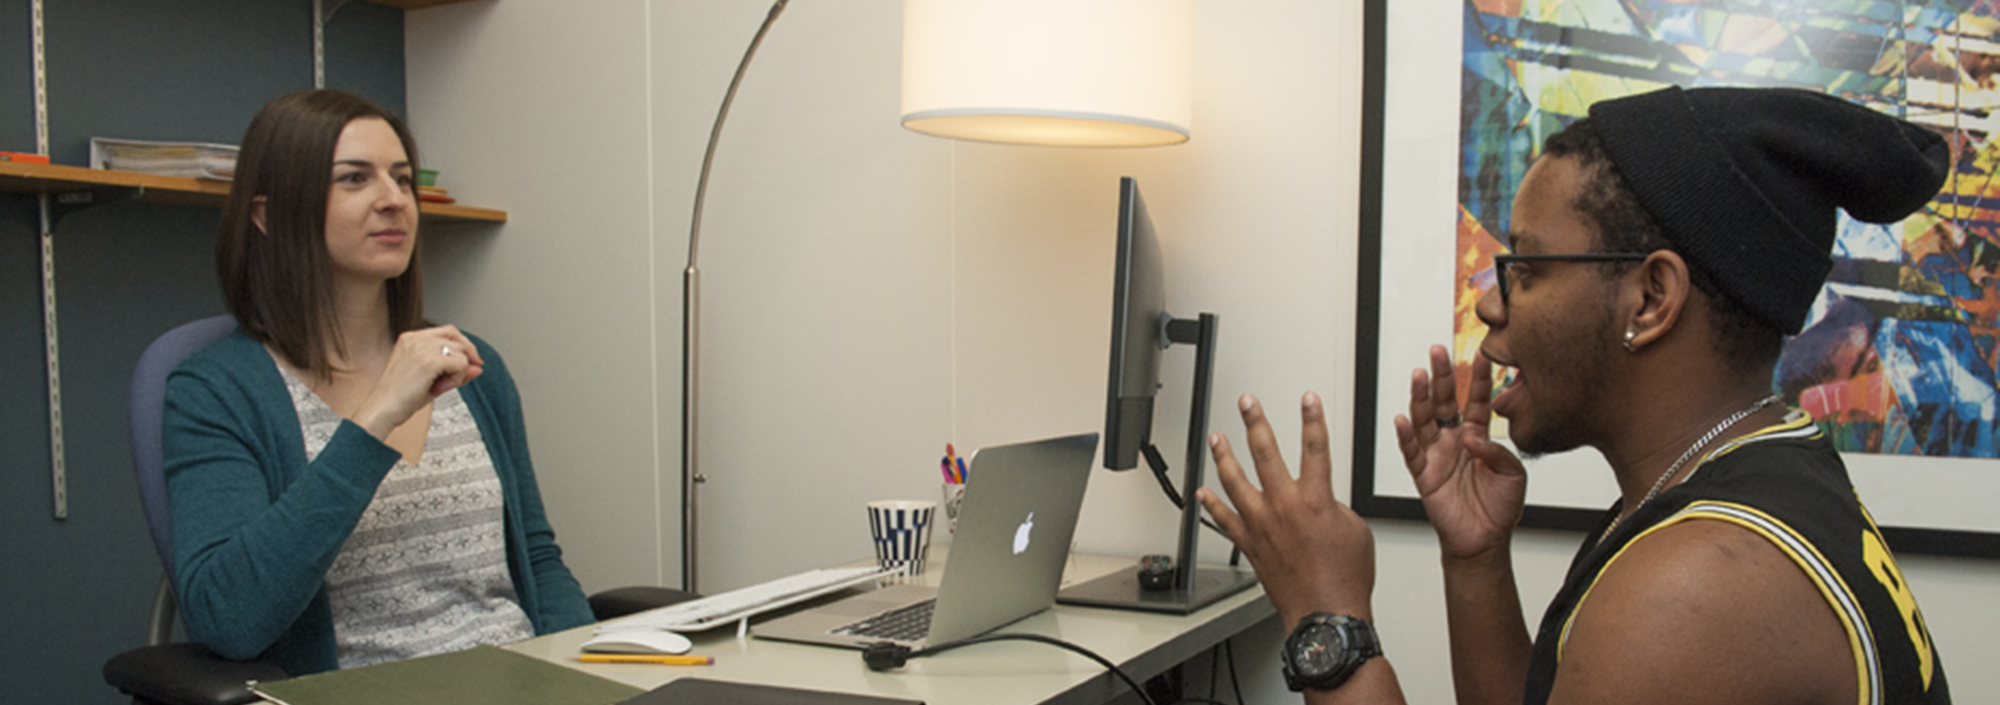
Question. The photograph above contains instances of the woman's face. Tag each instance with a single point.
(371, 214)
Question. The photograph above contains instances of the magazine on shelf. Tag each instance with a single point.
(197, 160)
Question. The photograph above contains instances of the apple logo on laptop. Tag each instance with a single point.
(1021, 534)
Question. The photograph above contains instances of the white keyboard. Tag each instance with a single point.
(742, 603)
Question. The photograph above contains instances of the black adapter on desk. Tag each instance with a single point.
(1156, 572)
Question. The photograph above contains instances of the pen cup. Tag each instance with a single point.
(954, 495)
(902, 532)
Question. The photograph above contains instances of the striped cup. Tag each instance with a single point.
(902, 532)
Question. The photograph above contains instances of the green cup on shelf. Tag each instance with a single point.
(427, 177)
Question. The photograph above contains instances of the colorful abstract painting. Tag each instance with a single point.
(1899, 354)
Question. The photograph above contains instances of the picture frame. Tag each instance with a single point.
(1410, 223)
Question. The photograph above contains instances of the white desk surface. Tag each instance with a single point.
(1143, 644)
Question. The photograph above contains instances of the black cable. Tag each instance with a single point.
(884, 655)
(1214, 673)
(1234, 684)
(1158, 464)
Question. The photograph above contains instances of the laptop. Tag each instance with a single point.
(1014, 528)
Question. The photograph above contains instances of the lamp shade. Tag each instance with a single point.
(1100, 73)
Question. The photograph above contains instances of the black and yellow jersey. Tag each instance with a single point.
(1787, 484)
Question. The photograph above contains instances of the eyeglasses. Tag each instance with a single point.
(1502, 263)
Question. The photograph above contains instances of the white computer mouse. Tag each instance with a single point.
(638, 641)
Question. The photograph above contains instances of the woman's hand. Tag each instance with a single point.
(1473, 489)
(422, 365)
(1311, 552)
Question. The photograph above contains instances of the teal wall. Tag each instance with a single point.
(75, 592)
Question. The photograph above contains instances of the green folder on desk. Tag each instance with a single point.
(486, 675)
(701, 691)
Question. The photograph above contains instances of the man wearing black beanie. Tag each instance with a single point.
(1662, 249)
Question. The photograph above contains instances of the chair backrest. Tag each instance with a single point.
(148, 402)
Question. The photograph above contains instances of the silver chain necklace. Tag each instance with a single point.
(1661, 483)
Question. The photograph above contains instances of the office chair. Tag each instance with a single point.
(166, 673)
(162, 672)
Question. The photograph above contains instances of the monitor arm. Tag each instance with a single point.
(1192, 588)
(1200, 333)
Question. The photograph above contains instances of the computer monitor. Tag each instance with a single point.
(1141, 332)
(1138, 332)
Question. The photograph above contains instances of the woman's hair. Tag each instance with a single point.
(278, 281)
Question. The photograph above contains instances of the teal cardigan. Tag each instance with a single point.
(256, 527)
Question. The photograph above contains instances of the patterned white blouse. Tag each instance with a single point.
(425, 570)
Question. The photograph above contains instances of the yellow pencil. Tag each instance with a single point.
(664, 660)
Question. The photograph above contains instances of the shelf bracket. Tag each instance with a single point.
(58, 476)
(322, 13)
(70, 202)
(54, 207)
(41, 83)
(329, 7)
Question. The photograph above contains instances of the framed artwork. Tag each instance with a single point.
(1898, 358)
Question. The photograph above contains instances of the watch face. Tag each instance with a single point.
(1317, 651)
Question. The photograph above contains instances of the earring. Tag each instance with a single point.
(1629, 335)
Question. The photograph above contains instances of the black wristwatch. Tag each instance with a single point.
(1325, 649)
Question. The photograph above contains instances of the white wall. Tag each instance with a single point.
(826, 252)
(540, 108)
(872, 293)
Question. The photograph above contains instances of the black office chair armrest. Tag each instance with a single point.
(618, 602)
(186, 674)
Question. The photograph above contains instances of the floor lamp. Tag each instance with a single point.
(1073, 73)
(691, 323)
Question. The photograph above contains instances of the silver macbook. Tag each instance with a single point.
(1014, 529)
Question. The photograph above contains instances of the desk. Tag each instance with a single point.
(1143, 644)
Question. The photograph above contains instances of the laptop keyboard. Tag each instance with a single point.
(907, 623)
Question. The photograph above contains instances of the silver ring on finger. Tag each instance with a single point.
(447, 351)
(1448, 423)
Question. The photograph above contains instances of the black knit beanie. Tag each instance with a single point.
(1745, 181)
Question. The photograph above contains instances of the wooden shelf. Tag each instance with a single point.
(17, 177)
(416, 4)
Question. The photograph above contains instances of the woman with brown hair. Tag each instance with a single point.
(349, 484)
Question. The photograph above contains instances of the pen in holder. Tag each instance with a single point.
(954, 485)
(954, 495)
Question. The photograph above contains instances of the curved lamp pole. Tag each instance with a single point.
(691, 476)
(962, 79)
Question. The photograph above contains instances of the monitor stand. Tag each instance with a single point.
(1121, 590)
(1194, 587)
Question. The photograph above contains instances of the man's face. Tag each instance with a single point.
(1556, 329)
